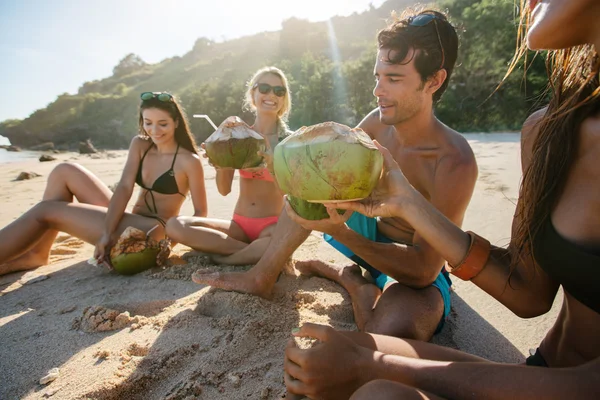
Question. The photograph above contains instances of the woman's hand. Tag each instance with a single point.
(267, 156)
(390, 195)
(204, 155)
(333, 368)
(102, 250)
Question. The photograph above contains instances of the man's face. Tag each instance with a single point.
(398, 88)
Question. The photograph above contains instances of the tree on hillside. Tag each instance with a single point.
(130, 63)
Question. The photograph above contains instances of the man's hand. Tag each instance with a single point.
(331, 225)
(334, 368)
(391, 193)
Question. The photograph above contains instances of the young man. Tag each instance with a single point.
(410, 297)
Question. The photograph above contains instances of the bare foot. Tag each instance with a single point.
(27, 261)
(350, 277)
(242, 282)
(364, 295)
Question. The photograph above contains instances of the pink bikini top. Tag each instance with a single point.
(262, 174)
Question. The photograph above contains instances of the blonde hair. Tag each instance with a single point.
(284, 112)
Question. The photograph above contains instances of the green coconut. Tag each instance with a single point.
(326, 163)
(307, 210)
(132, 263)
(235, 145)
(134, 252)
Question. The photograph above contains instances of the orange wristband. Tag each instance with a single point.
(475, 259)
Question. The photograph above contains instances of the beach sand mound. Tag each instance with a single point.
(222, 345)
(102, 319)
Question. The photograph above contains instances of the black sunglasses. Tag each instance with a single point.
(265, 88)
(424, 19)
(161, 96)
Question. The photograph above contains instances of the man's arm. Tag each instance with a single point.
(418, 265)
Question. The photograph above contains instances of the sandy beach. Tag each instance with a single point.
(157, 335)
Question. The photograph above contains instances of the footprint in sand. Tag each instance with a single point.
(65, 245)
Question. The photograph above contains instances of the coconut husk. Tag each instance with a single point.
(235, 145)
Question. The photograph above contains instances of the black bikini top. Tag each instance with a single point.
(575, 268)
(164, 184)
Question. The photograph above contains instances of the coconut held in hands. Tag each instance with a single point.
(234, 145)
(326, 163)
(135, 252)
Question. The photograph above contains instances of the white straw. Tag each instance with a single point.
(206, 117)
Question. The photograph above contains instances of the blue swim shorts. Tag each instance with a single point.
(367, 227)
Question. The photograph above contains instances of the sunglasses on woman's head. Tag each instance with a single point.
(424, 19)
(161, 96)
(265, 88)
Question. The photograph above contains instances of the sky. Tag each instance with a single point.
(49, 47)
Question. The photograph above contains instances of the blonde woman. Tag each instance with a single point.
(244, 238)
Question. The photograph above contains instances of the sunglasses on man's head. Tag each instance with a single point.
(265, 88)
(161, 96)
(424, 19)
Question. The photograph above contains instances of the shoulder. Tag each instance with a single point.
(531, 125)
(458, 158)
(189, 159)
(139, 144)
(371, 124)
(529, 133)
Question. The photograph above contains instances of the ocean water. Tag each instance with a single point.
(9, 156)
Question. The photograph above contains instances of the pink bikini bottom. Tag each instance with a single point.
(252, 227)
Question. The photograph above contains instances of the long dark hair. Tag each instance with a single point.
(183, 135)
(575, 88)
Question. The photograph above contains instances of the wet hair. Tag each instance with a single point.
(575, 86)
(283, 114)
(401, 37)
(183, 135)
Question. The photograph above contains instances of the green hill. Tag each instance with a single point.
(210, 79)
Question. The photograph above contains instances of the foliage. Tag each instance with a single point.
(330, 68)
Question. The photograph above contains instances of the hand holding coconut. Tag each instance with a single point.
(390, 195)
(330, 226)
(234, 145)
(102, 250)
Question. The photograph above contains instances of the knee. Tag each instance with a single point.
(42, 211)
(397, 327)
(174, 228)
(62, 172)
(383, 390)
(65, 168)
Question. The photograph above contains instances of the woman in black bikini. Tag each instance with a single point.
(162, 159)
(555, 242)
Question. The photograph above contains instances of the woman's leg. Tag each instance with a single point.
(409, 348)
(83, 221)
(66, 182)
(388, 390)
(250, 254)
(207, 235)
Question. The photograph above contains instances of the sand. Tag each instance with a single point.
(157, 335)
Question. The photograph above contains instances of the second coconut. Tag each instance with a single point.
(326, 163)
(235, 145)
